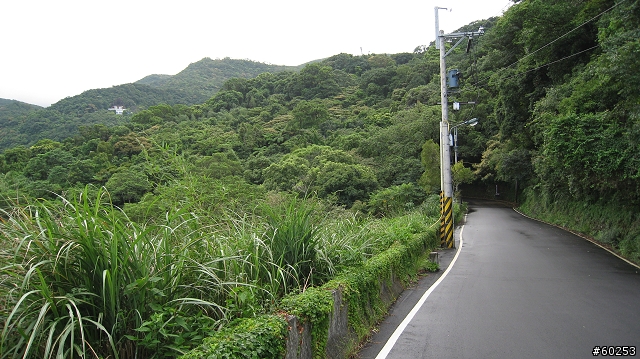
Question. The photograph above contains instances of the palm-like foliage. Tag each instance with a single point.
(81, 278)
(292, 239)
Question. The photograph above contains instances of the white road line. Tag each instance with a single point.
(581, 235)
(394, 337)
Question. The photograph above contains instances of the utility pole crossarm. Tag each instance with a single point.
(455, 35)
(462, 35)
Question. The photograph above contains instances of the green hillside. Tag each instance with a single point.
(13, 111)
(13, 107)
(200, 80)
(12, 115)
(154, 80)
(25, 124)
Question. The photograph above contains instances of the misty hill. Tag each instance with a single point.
(194, 85)
(200, 80)
(24, 124)
(12, 108)
(12, 113)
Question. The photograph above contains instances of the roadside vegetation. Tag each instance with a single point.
(81, 278)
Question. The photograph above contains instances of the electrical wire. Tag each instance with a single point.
(551, 63)
(548, 44)
(568, 32)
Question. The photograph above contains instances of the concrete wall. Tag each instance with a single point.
(299, 339)
(341, 338)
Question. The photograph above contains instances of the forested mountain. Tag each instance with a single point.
(193, 85)
(13, 113)
(556, 87)
(14, 108)
(200, 80)
(154, 80)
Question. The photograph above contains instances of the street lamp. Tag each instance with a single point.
(453, 140)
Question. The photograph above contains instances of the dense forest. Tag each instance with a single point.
(556, 87)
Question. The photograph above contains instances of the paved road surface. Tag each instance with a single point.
(518, 289)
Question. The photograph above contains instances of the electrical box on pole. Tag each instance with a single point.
(453, 78)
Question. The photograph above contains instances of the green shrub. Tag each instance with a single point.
(397, 199)
(170, 331)
(262, 337)
(429, 266)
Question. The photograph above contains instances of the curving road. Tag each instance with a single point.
(517, 288)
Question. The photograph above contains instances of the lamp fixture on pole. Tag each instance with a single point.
(454, 139)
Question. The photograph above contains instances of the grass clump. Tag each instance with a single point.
(80, 278)
(292, 239)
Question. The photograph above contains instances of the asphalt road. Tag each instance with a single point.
(517, 288)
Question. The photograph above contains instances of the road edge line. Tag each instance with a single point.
(581, 235)
(396, 334)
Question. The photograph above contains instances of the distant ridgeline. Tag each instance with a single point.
(25, 124)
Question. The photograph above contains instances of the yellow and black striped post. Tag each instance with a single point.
(441, 234)
(446, 222)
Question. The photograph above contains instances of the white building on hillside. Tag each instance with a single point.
(118, 109)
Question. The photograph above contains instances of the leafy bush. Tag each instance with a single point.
(397, 199)
(260, 338)
(170, 331)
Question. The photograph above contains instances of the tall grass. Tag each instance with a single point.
(292, 238)
(347, 239)
(81, 278)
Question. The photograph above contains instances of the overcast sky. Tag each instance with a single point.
(54, 49)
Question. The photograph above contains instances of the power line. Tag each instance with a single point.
(568, 32)
(550, 63)
(550, 43)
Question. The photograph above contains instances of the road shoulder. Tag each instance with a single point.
(405, 303)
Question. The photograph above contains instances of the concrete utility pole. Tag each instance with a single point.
(446, 184)
(438, 25)
(445, 166)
